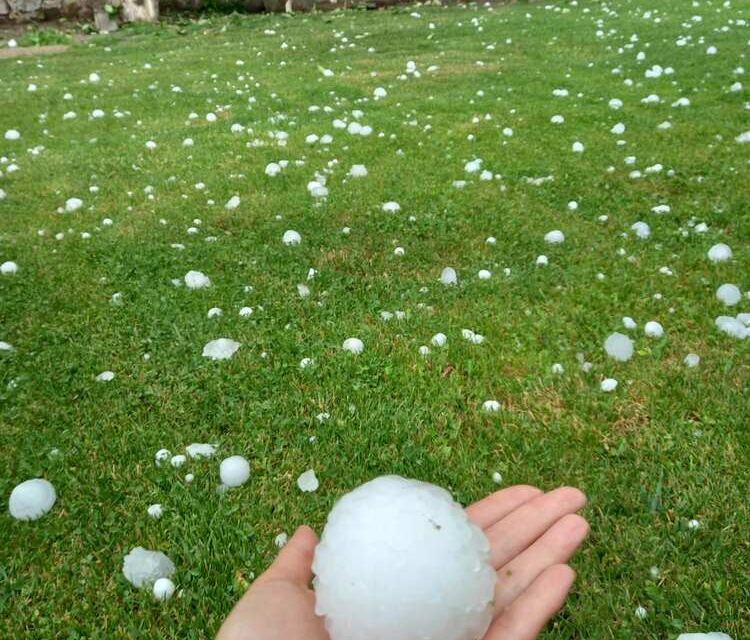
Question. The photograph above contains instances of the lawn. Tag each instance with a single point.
(668, 446)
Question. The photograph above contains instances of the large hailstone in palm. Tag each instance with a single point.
(31, 499)
(399, 559)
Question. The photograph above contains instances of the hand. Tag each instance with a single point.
(532, 535)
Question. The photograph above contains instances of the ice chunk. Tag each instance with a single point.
(143, 567)
(732, 326)
(196, 280)
(105, 376)
(720, 253)
(554, 237)
(439, 340)
(307, 482)
(291, 238)
(220, 349)
(714, 635)
(353, 345)
(406, 548)
(234, 471)
(201, 450)
(619, 346)
(692, 360)
(8, 268)
(729, 294)
(653, 329)
(448, 276)
(31, 499)
(155, 511)
(73, 204)
(608, 385)
(163, 589)
(491, 406)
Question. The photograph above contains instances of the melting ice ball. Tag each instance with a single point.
(31, 499)
(142, 567)
(234, 471)
(619, 347)
(399, 559)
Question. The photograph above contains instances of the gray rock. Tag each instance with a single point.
(4, 8)
(25, 6)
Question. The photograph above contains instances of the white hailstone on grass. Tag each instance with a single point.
(497, 477)
(391, 537)
(608, 385)
(163, 589)
(272, 169)
(473, 166)
(281, 540)
(577, 147)
(143, 567)
(31, 499)
(491, 406)
(640, 613)
(151, 145)
(439, 340)
(743, 138)
(720, 253)
(196, 280)
(8, 268)
(399, 251)
(105, 376)
(220, 349)
(572, 205)
(732, 327)
(484, 274)
(448, 276)
(380, 92)
(306, 362)
(308, 482)
(178, 460)
(653, 329)
(232, 203)
(358, 171)
(161, 455)
(391, 207)
(291, 238)
(714, 635)
(73, 204)
(187, 142)
(3, 195)
(711, 51)
(729, 294)
(618, 129)
(619, 347)
(5, 346)
(557, 368)
(155, 511)
(214, 312)
(557, 119)
(554, 237)
(542, 261)
(210, 117)
(12, 134)
(234, 471)
(353, 345)
(692, 360)
(642, 230)
(491, 240)
(628, 322)
(246, 311)
(694, 525)
(94, 77)
(201, 450)
(424, 351)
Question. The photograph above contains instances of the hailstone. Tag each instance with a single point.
(619, 347)
(399, 559)
(729, 294)
(220, 349)
(144, 567)
(291, 238)
(353, 345)
(163, 589)
(714, 635)
(31, 499)
(234, 471)
(448, 276)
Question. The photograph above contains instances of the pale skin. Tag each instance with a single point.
(532, 536)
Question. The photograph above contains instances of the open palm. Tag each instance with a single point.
(532, 535)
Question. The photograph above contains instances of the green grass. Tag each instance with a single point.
(670, 444)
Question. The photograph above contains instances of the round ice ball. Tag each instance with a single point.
(163, 589)
(729, 294)
(720, 253)
(619, 347)
(353, 345)
(399, 559)
(31, 499)
(234, 471)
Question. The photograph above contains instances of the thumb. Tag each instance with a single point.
(294, 561)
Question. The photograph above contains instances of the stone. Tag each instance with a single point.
(104, 22)
(24, 6)
(140, 10)
(4, 8)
